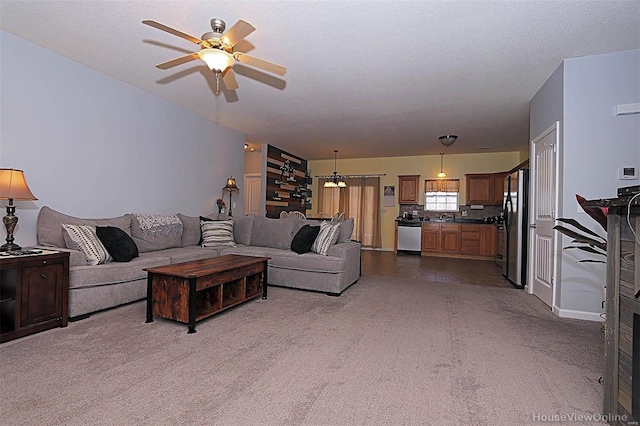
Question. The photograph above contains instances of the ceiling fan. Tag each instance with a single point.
(216, 50)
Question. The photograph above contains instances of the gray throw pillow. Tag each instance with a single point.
(242, 229)
(326, 238)
(191, 230)
(346, 229)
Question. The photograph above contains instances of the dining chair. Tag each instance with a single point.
(284, 215)
(296, 213)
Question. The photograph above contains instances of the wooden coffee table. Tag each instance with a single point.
(190, 291)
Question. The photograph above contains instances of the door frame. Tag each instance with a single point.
(557, 250)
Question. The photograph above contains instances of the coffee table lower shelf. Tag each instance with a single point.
(191, 291)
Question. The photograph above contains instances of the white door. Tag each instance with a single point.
(252, 194)
(544, 187)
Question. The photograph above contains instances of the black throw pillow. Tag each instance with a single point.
(117, 242)
(304, 238)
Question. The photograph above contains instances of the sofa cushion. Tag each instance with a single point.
(346, 229)
(328, 236)
(304, 238)
(187, 254)
(276, 233)
(190, 230)
(84, 238)
(242, 229)
(115, 272)
(51, 234)
(287, 259)
(120, 246)
(153, 232)
(217, 233)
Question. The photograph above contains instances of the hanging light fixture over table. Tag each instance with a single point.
(336, 181)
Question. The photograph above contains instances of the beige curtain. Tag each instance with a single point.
(360, 200)
(442, 185)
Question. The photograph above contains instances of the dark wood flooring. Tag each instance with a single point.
(426, 268)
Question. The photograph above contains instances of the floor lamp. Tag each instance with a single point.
(231, 187)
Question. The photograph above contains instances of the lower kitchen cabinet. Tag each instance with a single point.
(476, 241)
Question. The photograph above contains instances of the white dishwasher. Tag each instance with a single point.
(409, 236)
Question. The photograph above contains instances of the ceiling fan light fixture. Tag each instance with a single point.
(217, 60)
(448, 140)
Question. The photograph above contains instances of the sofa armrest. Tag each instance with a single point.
(350, 252)
(76, 257)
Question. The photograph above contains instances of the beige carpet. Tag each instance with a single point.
(387, 352)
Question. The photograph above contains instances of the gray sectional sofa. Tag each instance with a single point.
(98, 287)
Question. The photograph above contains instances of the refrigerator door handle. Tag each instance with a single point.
(533, 225)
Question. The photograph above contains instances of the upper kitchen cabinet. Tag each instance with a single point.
(485, 188)
(408, 189)
(480, 188)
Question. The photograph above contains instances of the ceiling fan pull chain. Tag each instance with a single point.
(217, 83)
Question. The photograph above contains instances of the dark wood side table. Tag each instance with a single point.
(34, 291)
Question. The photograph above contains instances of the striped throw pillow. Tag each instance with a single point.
(217, 233)
(326, 238)
(84, 238)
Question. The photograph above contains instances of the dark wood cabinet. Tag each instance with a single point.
(33, 293)
(477, 241)
(409, 189)
(485, 188)
(442, 238)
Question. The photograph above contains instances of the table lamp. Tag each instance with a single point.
(13, 186)
(230, 186)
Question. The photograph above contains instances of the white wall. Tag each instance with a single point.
(596, 144)
(93, 146)
(582, 94)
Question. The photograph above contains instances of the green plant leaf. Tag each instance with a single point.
(580, 238)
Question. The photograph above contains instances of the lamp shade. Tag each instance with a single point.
(231, 185)
(13, 185)
(217, 60)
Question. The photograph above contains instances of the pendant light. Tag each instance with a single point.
(441, 174)
(335, 181)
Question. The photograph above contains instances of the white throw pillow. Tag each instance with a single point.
(326, 238)
(84, 238)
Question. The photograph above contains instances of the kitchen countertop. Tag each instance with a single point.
(402, 221)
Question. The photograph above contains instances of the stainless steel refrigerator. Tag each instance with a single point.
(516, 218)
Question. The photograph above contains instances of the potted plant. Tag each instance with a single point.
(584, 238)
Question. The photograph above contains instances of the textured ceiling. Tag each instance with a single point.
(372, 79)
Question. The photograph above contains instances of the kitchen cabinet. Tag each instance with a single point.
(488, 240)
(441, 238)
(498, 187)
(474, 241)
(485, 188)
(408, 189)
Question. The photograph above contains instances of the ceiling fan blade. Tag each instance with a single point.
(170, 30)
(237, 32)
(229, 79)
(260, 63)
(178, 61)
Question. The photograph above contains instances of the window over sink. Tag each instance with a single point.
(441, 195)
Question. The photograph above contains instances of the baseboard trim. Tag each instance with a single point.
(581, 315)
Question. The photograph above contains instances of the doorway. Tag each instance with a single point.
(543, 245)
